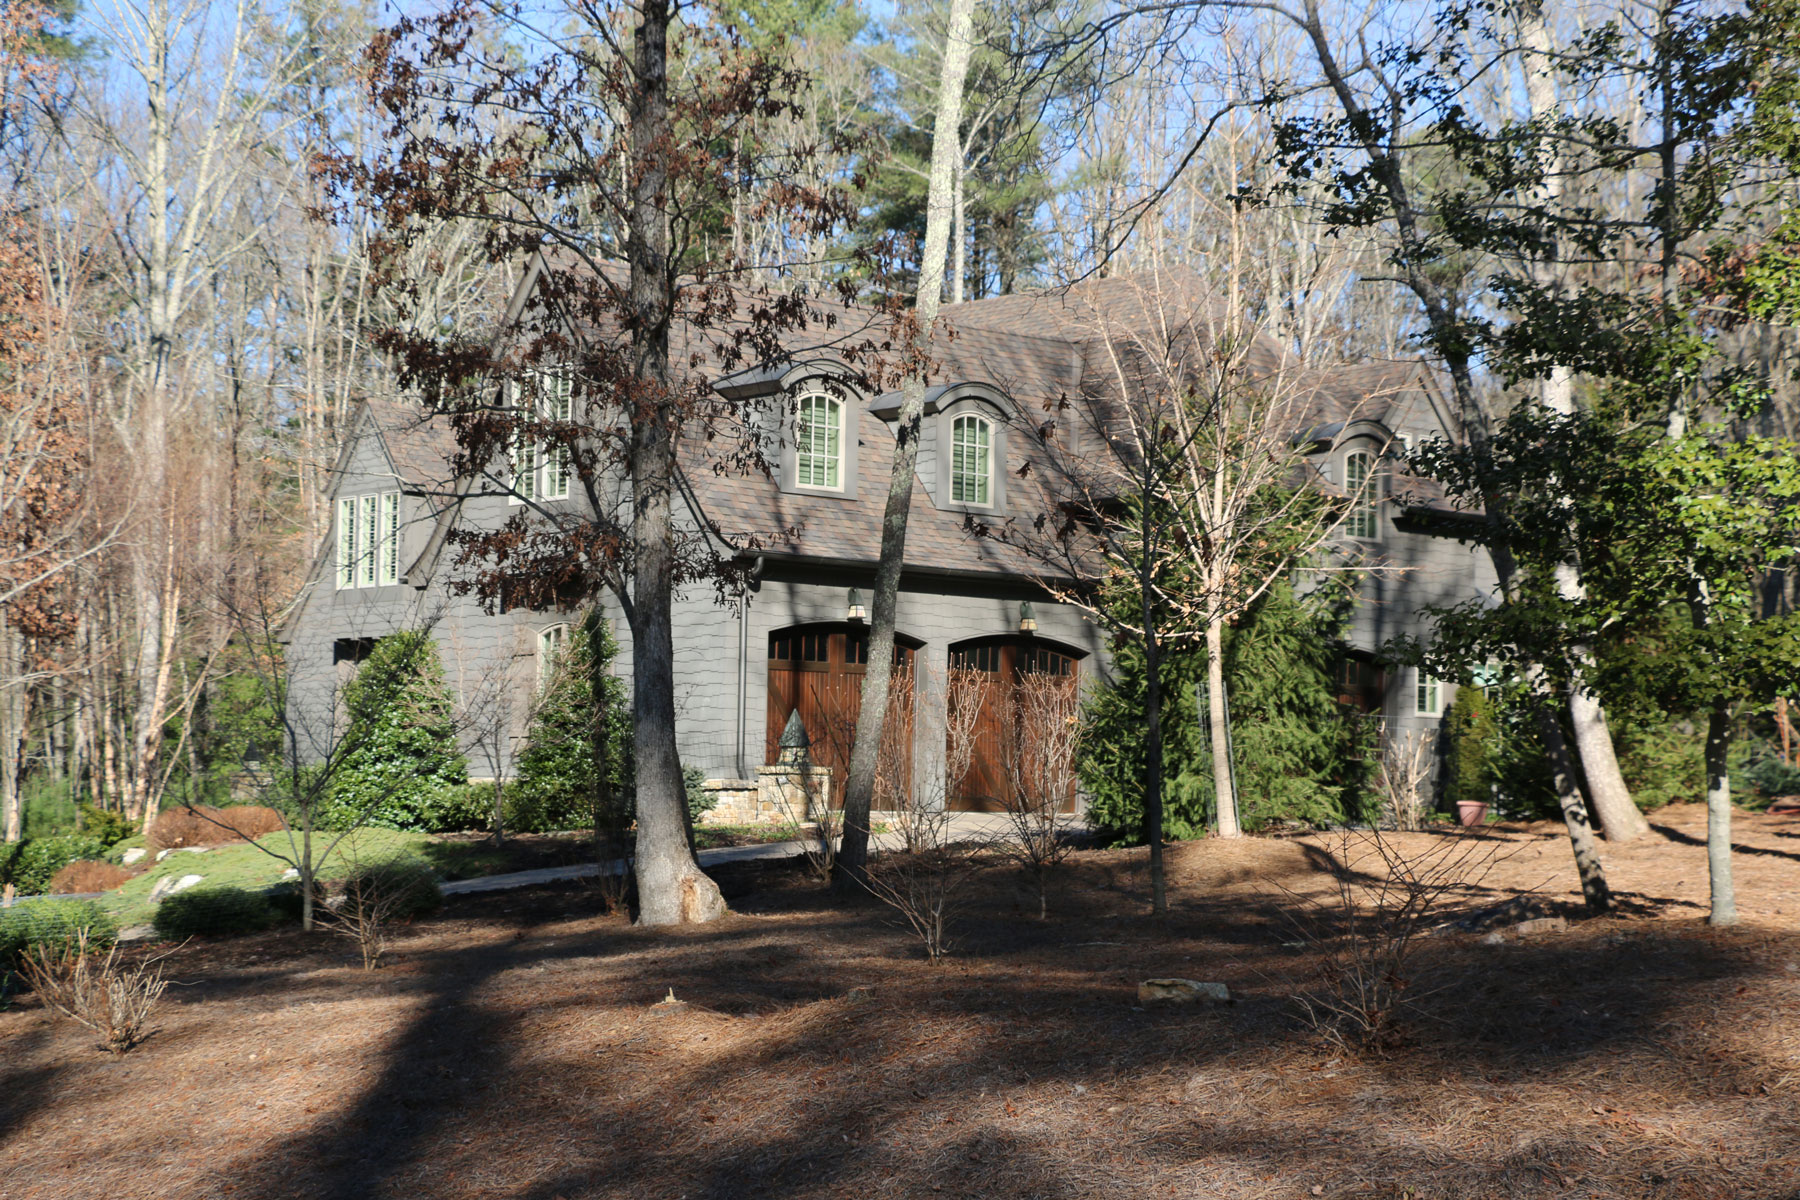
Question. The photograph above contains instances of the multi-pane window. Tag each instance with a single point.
(1428, 695)
(549, 652)
(1359, 482)
(368, 540)
(971, 461)
(541, 469)
(819, 443)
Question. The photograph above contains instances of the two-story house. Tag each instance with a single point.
(809, 534)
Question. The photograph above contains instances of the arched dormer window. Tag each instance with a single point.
(549, 652)
(819, 442)
(1359, 483)
(971, 460)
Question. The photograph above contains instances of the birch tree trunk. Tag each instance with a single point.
(1217, 714)
(940, 203)
(672, 889)
(1574, 813)
(14, 709)
(1722, 895)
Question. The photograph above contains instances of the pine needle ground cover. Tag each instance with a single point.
(516, 1047)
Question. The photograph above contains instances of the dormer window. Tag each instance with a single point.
(819, 443)
(971, 461)
(541, 469)
(1359, 482)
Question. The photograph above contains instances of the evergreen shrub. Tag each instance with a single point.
(51, 923)
(1298, 756)
(581, 719)
(109, 826)
(407, 886)
(1471, 734)
(401, 756)
(213, 911)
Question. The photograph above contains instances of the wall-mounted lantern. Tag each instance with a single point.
(856, 611)
(1027, 618)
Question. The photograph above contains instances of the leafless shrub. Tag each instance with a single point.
(966, 692)
(1403, 777)
(1365, 931)
(613, 845)
(927, 885)
(375, 897)
(76, 981)
(1041, 726)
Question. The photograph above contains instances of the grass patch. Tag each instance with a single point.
(243, 865)
(713, 837)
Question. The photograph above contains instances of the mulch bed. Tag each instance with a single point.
(521, 1045)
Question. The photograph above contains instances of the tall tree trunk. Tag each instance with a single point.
(959, 224)
(859, 790)
(1574, 813)
(671, 887)
(1718, 816)
(1619, 818)
(1217, 716)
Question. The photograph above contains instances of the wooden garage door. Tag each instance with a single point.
(818, 669)
(1000, 734)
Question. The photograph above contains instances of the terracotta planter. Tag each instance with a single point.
(1471, 812)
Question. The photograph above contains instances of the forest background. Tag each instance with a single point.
(186, 336)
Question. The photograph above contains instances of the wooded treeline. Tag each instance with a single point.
(1578, 215)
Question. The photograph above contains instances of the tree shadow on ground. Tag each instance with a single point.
(1688, 839)
(1023, 1069)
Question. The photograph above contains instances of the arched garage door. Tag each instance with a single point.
(1003, 733)
(818, 669)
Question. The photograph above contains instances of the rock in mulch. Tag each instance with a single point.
(1182, 991)
(1529, 928)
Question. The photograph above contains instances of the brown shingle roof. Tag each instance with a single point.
(1038, 348)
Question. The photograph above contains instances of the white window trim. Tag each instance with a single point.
(841, 460)
(1362, 498)
(988, 482)
(540, 474)
(368, 541)
(552, 642)
(1428, 694)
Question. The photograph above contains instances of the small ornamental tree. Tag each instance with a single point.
(579, 737)
(403, 752)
